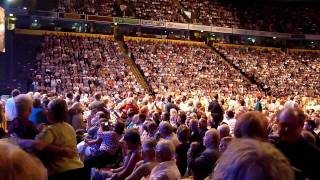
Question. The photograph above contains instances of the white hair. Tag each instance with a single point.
(16, 164)
(23, 104)
(252, 159)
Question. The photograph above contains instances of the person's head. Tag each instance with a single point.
(252, 159)
(251, 125)
(104, 124)
(183, 133)
(173, 112)
(156, 116)
(24, 105)
(142, 118)
(242, 102)
(16, 164)
(194, 125)
(132, 139)
(70, 95)
(165, 129)
(57, 111)
(216, 96)
(224, 142)
(119, 127)
(211, 138)
(309, 125)
(165, 116)
(230, 114)
(290, 124)
(182, 117)
(148, 150)
(36, 103)
(152, 128)
(224, 130)
(203, 123)
(97, 96)
(15, 92)
(308, 136)
(165, 151)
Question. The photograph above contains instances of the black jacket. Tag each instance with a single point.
(303, 156)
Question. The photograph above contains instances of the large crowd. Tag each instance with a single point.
(278, 17)
(163, 137)
(90, 7)
(183, 67)
(283, 73)
(157, 10)
(71, 63)
(262, 16)
(88, 118)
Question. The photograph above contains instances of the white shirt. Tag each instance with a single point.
(10, 109)
(167, 170)
(231, 123)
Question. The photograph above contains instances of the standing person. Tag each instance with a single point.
(10, 107)
(216, 112)
(21, 126)
(258, 106)
(61, 134)
(37, 115)
(183, 133)
(298, 151)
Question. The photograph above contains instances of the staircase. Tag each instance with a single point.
(133, 66)
(129, 12)
(181, 10)
(251, 79)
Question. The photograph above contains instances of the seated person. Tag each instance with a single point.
(144, 167)
(201, 164)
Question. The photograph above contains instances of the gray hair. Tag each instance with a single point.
(16, 164)
(252, 159)
(165, 150)
(23, 103)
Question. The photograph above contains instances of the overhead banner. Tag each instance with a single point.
(126, 21)
(72, 16)
(99, 18)
(198, 27)
(242, 31)
(312, 37)
(221, 30)
(2, 30)
(177, 25)
(153, 23)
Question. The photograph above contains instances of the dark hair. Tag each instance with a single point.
(36, 103)
(15, 92)
(311, 123)
(230, 114)
(216, 96)
(59, 110)
(77, 98)
(142, 117)
(183, 133)
(132, 135)
(183, 117)
(242, 102)
(166, 116)
(119, 127)
(70, 95)
(97, 96)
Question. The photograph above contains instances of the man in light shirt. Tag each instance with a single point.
(167, 169)
(10, 106)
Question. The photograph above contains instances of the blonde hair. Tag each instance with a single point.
(16, 164)
(252, 159)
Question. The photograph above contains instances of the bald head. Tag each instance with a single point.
(211, 138)
(290, 124)
(251, 125)
(165, 151)
(165, 129)
(224, 130)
